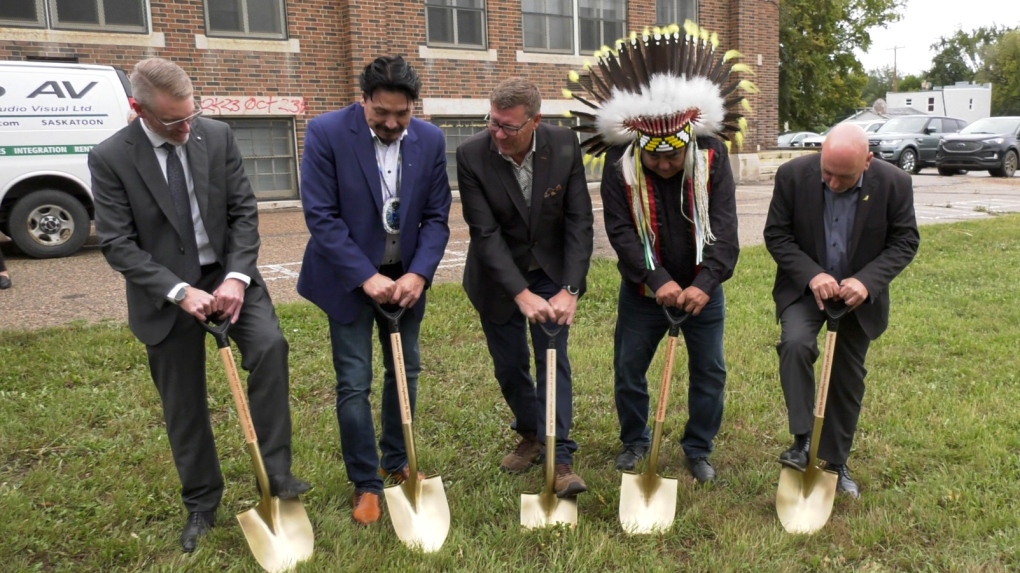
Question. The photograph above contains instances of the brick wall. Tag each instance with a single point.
(338, 37)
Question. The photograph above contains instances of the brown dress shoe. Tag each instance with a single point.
(567, 483)
(366, 507)
(523, 457)
(400, 476)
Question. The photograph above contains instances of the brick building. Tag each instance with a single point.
(267, 66)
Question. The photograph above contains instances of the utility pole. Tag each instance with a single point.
(895, 77)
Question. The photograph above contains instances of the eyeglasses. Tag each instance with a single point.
(171, 124)
(510, 130)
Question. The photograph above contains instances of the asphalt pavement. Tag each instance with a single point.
(83, 288)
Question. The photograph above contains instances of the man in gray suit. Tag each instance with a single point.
(527, 206)
(840, 227)
(176, 216)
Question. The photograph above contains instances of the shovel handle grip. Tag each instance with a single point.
(676, 317)
(218, 330)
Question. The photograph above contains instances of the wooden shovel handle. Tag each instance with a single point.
(823, 386)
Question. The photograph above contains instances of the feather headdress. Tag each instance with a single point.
(657, 92)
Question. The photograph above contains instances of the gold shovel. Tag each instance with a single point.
(647, 501)
(278, 531)
(804, 499)
(545, 509)
(418, 507)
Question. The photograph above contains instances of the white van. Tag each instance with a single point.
(51, 115)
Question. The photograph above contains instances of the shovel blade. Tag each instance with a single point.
(282, 541)
(545, 509)
(647, 503)
(421, 520)
(804, 499)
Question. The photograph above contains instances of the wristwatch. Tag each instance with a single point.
(179, 297)
(572, 290)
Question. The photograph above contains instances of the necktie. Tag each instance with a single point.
(192, 269)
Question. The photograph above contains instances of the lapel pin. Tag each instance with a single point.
(865, 197)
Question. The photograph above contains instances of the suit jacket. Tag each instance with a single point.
(342, 198)
(137, 224)
(883, 241)
(505, 234)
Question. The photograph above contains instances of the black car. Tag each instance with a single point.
(987, 144)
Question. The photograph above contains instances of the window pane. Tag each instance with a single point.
(264, 17)
(589, 34)
(124, 12)
(469, 3)
(469, 27)
(561, 34)
(440, 27)
(77, 12)
(225, 15)
(267, 148)
(534, 31)
(675, 11)
(22, 10)
(560, 7)
(440, 2)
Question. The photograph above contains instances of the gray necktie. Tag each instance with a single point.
(175, 180)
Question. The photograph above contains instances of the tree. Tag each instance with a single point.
(1001, 67)
(958, 57)
(820, 78)
(909, 83)
(879, 84)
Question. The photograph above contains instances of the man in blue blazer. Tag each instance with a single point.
(376, 198)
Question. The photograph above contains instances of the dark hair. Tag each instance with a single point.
(390, 73)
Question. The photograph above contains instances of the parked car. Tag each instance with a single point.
(51, 116)
(987, 144)
(794, 138)
(868, 125)
(910, 141)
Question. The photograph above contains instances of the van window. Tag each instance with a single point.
(93, 15)
(267, 145)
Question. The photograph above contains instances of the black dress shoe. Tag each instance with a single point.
(286, 486)
(630, 456)
(198, 523)
(797, 456)
(5, 282)
(845, 483)
(702, 471)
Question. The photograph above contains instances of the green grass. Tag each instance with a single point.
(87, 482)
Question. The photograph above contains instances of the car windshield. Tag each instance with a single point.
(993, 125)
(904, 125)
(785, 138)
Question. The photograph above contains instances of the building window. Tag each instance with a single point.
(456, 23)
(931, 104)
(970, 104)
(457, 130)
(91, 15)
(246, 18)
(675, 11)
(909, 102)
(267, 146)
(561, 25)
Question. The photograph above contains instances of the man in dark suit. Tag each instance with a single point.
(176, 216)
(841, 227)
(527, 205)
(377, 201)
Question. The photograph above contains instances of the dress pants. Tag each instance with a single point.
(511, 358)
(798, 350)
(178, 368)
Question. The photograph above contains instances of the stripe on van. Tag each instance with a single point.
(22, 150)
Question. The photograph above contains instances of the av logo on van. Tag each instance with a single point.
(53, 88)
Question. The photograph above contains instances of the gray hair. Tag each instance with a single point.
(162, 76)
(517, 91)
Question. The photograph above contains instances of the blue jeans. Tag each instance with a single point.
(352, 360)
(511, 357)
(640, 326)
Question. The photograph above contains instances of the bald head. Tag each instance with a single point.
(845, 156)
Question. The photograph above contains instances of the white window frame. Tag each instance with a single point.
(456, 30)
(49, 18)
(575, 40)
(675, 5)
(246, 32)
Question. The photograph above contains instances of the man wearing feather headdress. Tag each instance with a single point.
(663, 103)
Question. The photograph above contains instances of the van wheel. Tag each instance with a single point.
(48, 224)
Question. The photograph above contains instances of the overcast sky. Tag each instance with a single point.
(924, 22)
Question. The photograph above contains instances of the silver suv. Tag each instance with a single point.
(910, 141)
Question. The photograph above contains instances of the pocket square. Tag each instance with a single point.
(552, 191)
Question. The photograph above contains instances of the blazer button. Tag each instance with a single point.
(181, 249)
